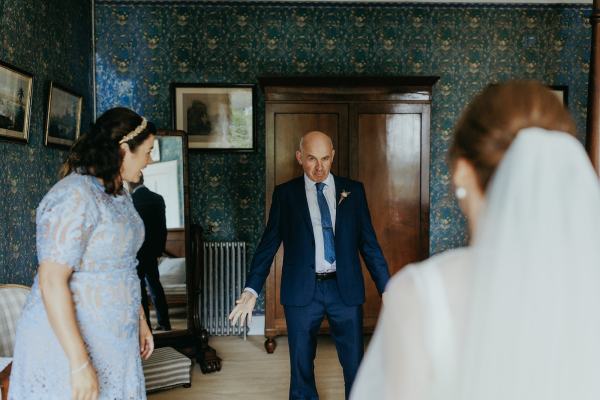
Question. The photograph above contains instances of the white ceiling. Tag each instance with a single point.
(460, 1)
(438, 1)
(574, 2)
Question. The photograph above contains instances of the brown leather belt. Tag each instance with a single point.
(325, 276)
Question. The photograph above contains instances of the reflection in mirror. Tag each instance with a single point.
(165, 178)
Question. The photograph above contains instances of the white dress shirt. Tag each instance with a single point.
(321, 265)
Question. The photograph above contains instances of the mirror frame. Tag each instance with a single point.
(162, 339)
(192, 341)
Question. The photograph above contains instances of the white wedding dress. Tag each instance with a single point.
(517, 314)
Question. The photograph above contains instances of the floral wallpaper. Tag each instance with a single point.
(52, 40)
(142, 48)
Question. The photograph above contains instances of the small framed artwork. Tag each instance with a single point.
(562, 93)
(16, 87)
(215, 117)
(63, 120)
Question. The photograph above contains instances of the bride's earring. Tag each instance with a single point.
(460, 192)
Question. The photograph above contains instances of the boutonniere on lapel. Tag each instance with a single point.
(343, 196)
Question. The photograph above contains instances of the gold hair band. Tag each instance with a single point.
(134, 132)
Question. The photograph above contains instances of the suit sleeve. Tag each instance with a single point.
(269, 243)
(369, 247)
(154, 216)
(162, 227)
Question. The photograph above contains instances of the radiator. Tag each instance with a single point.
(224, 275)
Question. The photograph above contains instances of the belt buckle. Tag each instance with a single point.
(323, 276)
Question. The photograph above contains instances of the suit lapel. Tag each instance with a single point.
(338, 208)
(303, 203)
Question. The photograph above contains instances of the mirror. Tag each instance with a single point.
(167, 177)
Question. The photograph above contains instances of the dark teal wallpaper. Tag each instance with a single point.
(52, 40)
(141, 48)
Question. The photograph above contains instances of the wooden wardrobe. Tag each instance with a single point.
(380, 130)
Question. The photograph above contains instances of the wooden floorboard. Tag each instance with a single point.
(249, 373)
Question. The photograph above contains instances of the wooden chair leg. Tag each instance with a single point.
(4, 381)
(4, 386)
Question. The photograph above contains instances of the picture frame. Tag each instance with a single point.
(562, 92)
(216, 117)
(16, 88)
(63, 116)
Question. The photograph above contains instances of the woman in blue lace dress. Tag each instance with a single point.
(82, 330)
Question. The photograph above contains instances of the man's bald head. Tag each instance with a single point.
(315, 137)
(316, 155)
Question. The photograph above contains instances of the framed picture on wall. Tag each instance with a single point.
(16, 87)
(215, 117)
(63, 120)
(561, 92)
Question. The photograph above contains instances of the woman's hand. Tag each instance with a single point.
(146, 339)
(84, 383)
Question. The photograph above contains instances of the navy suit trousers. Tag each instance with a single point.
(303, 324)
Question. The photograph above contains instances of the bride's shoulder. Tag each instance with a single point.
(444, 263)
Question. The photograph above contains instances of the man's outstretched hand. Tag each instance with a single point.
(243, 309)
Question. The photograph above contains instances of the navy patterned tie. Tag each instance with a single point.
(328, 241)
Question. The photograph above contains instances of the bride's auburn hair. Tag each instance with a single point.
(495, 116)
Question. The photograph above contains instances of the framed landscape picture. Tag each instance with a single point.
(561, 92)
(63, 120)
(215, 117)
(16, 87)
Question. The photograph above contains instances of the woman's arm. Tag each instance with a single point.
(58, 301)
(146, 338)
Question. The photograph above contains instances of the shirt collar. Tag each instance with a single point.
(310, 184)
(137, 187)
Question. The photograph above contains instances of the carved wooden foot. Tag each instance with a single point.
(207, 356)
(270, 345)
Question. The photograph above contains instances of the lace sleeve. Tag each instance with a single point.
(64, 222)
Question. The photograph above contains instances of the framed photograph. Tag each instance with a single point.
(63, 120)
(15, 103)
(215, 117)
(561, 92)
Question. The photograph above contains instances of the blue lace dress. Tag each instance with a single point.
(98, 236)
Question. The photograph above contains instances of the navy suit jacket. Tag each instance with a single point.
(151, 207)
(289, 222)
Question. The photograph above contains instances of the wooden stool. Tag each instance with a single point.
(167, 368)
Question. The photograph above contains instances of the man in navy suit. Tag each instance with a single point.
(323, 222)
(151, 207)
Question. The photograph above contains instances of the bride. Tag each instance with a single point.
(516, 315)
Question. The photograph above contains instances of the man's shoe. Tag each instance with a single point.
(162, 328)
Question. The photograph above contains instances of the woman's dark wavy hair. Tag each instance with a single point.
(98, 152)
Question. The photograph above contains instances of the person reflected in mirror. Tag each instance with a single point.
(151, 207)
(82, 330)
(324, 223)
(514, 315)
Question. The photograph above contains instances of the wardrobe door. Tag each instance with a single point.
(389, 154)
(286, 123)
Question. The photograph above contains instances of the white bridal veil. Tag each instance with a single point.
(517, 315)
(533, 323)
